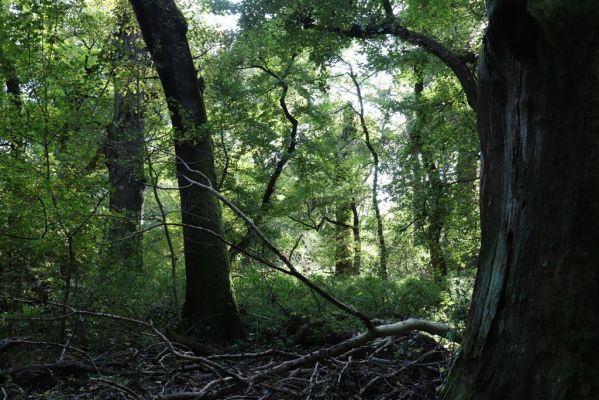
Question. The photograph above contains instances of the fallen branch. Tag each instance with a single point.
(36, 374)
(275, 250)
(228, 380)
(121, 388)
(396, 329)
(11, 341)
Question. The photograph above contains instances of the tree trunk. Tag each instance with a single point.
(344, 264)
(436, 214)
(382, 272)
(292, 142)
(15, 94)
(357, 239)
(124, 152)
(209, 302)
(532, 328)
(124, 159)
(428, 186)
(343, 258)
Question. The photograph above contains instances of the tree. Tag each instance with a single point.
(531, 328)
(428, 185)
(279, 163)
(209, 302)
(346, 221)
(535, 300)
(375, 179)
(124, 151)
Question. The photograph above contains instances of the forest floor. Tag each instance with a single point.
(409, 367)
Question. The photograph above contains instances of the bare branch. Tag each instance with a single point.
(397, 329)
(280, 164)
(292, 270)
(458, 63)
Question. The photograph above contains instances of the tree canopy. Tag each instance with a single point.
(232, 176)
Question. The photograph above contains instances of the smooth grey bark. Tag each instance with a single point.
(210, 305)
(532, 328)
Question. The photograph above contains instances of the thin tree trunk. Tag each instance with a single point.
(344, 265)
(210, 305)
(343, 258)
(535, 312)
(436, 213)
(379, 222)
(383, 273)
(13, 89)
(154, 178)
(269, 191)
(357, 239)
(429, 194)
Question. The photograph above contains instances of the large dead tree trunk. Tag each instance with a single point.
(209, 302)
(532, 329)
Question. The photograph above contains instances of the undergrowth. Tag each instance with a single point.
(275, 306)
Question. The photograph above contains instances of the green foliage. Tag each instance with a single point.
(276, 306)
(54, 189)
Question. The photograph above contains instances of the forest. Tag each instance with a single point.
(302, 199)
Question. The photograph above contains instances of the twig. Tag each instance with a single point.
(199, 359)
(292, 270)
(122, 388)
(78, 350)
(345, 367)
(313, 381)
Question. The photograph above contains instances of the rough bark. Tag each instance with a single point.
(124, 152)
(436, 214)
(344, 262)
(535, 313)
(210, 305)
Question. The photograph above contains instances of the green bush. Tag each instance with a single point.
(275, 305)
